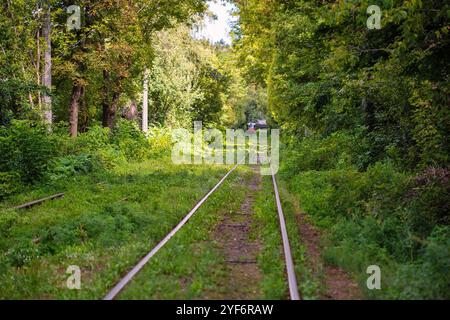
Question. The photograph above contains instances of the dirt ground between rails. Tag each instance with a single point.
(242, 275)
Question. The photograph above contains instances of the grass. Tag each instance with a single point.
(373, 218)
(108, 220)
(271, 260)
(190, 266)
(103, 224)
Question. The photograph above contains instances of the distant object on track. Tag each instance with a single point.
(259, 124)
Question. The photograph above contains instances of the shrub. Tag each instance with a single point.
(160, 140)
(26, 150)
(428, 201)
(428, 276)
(314, 153)
(94, 139)
(22, 253)
(110, 157)
(9, 184)
(68, 166)
(130, 141)
(397, 220)
(114, 224)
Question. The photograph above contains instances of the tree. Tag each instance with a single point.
(186, 80)
(19, 22)
(145, 101)
(113, 43)
(47, 74)
(327, 71)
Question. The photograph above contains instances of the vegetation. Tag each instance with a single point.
(88, 110)
(274, 284)
(104, 224)
(366, 121)
(196, 269)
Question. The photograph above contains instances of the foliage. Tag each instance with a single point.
(161, 143)
(30, 155)
(26, 150)
(17, 25)
(364, 114)
(71, 165)
(316, 153)
(94, 139)
(366, 124)
(381, 216)
(105, 227)
(326, 71)
(9, 184)
(131, 141)
(186, 82)
(428, 277)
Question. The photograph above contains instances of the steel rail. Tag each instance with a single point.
(130, 275)
(292, 279)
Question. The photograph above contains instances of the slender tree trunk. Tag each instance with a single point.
(84, 112)
(110, 106)
(47, 75)
(77, 93)
(30, 96)
(131, 111)
(113, 109)
(105, 102)
(38, 66)
(145, 102)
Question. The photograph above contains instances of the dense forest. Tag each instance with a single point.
(89, 88)
(366, 121)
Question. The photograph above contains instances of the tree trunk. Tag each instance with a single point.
(84, 118)
(131, 111)
(105, 102)
(145, 102)
(30, 96)
(77, 93)
(47, 75)
(110, 107)
(38, 66)
(113, 110)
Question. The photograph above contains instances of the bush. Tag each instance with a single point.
(9, 184)
(338, 150)
(29, 154)
(160, 140)
(110, 227)
(350, 193)
(428, 201)
(68, 166)
(130, 141)
(26, 150)
(428, 277)
(398, 220)
(94, 139)
(22, 253)
(110, 157)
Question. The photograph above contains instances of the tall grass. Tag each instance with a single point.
(375, 216)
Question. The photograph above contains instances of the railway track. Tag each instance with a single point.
(290, 270)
